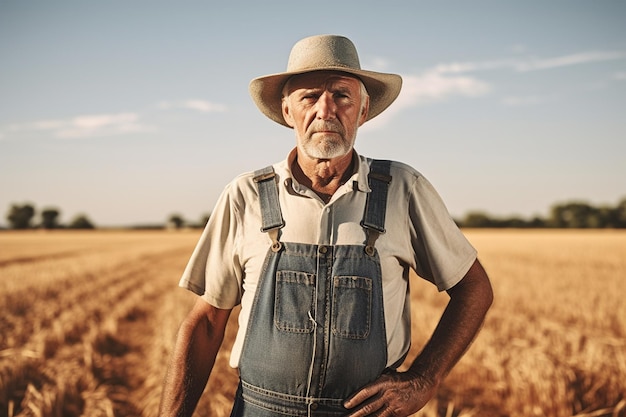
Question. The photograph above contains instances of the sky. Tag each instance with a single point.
(131, 111)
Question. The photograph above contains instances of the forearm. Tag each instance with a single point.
(458, 326)
(196, 348)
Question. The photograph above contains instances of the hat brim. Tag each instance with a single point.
(267, 91)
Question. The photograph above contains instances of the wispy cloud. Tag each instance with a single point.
(460, 79)
(465, 67)
(532, 63)
(435, 86)
(202, 106)
(569, 60)
(431, 86)
(97, 125)
(377, 63)
(86, 126)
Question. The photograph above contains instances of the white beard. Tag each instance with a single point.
(327, 148)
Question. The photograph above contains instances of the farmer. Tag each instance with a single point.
(317, 249)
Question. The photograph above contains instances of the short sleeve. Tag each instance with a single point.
(443, 255)
(212, 271)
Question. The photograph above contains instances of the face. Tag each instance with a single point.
(325, 109)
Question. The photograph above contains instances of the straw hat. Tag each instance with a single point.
(319, 53)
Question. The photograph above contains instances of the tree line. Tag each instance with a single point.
(573, 215)
(569, 215)
(25, 216)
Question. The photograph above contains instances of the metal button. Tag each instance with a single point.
(370, 250)
(323, 249)
(314, 406)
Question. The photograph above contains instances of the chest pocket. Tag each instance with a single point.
(294, 302)
(352, 307)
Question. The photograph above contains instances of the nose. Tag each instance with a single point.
(326, 106)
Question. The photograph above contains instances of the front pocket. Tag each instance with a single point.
(352, 307)
(294, 301)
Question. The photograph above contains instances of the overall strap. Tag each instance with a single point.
(271, 214)
(376, 204)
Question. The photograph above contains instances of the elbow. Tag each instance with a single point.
(488, 298)
(487, 288)
(481, 296)
(483, 291)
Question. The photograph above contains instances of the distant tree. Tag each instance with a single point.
(576, 215)
(601, 217)
(619, 214)
(81, 222)
(20, 216)
(536, 222)
(175, 221)
(49, 218)
(477, 219)
(513, 222)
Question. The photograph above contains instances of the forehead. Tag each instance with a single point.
(320, 79)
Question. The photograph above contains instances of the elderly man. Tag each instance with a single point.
(317, 249)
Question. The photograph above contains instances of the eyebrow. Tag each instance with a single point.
(334, 86)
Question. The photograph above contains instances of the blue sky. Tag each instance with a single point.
(129, 111)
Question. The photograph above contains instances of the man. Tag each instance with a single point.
(317, 249)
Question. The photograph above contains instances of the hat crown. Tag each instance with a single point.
(323, 51)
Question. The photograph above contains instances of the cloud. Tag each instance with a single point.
(435, 86)
(377, 63)
(569, 60)
(431, 86)
(95, 125)
(86, 126)
(465, 67)
(456, 79)
(202, 106)
(531, 63)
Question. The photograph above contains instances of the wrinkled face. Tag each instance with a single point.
(325, 109)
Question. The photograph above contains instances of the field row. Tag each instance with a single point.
(83, 326)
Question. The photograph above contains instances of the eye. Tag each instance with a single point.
(342, 94)
(308, 97)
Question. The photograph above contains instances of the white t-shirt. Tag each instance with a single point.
(420, 235)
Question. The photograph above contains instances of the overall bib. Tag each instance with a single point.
(316, 332)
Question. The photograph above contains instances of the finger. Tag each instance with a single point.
(371, 408)
(360, 397)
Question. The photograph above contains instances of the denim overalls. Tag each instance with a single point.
(316, 332)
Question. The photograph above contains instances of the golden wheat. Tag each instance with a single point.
(89, 320)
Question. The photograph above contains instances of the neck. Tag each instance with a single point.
(323, 176)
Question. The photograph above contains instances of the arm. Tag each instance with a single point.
(198, 341)
(401, 394)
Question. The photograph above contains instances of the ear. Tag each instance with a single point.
(364, 111)
(286, 114)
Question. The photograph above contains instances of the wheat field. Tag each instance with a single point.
(89, 320)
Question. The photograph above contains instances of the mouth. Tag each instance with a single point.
(327, 128)
(327, 131)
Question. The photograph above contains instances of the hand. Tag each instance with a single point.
(397, 394)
